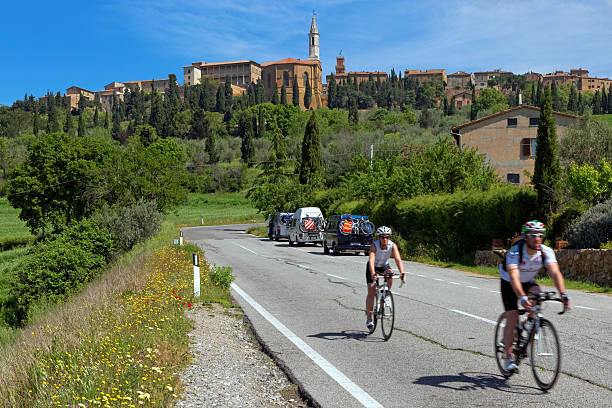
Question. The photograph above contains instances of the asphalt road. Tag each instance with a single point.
(307, 308)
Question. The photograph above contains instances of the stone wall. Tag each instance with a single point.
(591, 265)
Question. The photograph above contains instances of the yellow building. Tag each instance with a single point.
(286, 72)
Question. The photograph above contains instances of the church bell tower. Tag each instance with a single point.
(313, 40)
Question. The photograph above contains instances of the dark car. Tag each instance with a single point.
(277, 225)
(347, 232)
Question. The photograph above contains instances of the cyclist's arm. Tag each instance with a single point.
(398, 260)
(515, 281)
(555, 273)
(371, 258)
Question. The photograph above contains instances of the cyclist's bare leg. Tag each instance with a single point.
(390, 283)
(370, 300)
(511, 321)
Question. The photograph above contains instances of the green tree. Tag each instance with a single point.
(311, 164)
(296, 92)
(247, 132)
(538, 100)
(572, 104)
(604, 100)
(490, 99)
(81, 128)
(587, 141)
(146, 134)
(451, 108)
(157, 117)
(36, 123)
(610, 99)
(96, 118)
(261, 123)
(220, 106)
(116, 130)
(332, 91)
(61, 180)
(275, 94)
(554, 92)
(473, 110)
(68, 125)
(283, 99)
(593, 185)
(547, 170)
(353, 114)
(307, 95)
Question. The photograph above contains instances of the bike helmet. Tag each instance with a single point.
(383, 230)
(533, 226)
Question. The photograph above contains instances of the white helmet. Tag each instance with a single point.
(383, 230)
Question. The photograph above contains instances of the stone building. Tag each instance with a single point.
(342, 77)
(74, 94)
(430, 75)
(241, 73)
(117, 89)
(460, 80)
(481, 79)
(508, 139)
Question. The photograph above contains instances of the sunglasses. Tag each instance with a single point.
(383, 236)
(535, 235)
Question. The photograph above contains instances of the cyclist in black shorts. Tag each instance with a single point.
(523, 261)
(378, 264)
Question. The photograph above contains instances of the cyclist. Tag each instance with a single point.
(378, 264)
(523, 261)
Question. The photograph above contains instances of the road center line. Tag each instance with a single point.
(473, 316)
(454, 283)
(245, 248)
(360, 395)
(585, 307)
(473, 287)
(334, 276)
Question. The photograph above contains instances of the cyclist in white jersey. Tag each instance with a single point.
(518, 278)
(378, 264)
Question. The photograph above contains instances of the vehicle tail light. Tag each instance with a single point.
(300, 235)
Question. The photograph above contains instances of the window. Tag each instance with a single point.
(513, 178)
(512, 122)
(528, 147)
(305, 78)
(269, 80)
(533, 121)
(286, 78)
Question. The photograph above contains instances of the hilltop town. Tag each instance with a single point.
(299, 74)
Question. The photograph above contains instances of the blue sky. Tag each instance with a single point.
(56, 44)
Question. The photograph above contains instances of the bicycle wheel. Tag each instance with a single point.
(387, 314)
(499, 346)
(545, 355)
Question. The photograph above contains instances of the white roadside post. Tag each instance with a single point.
(202, 220)
(181, 238)
(371, 154)
(196, 275)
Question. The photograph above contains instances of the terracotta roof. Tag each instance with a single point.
(460, 73)
(82, 89)
(208, 64)
(291, 61)
(455, 129)
(144, 80)
(496, 71)
(429, 71)
(367, 73)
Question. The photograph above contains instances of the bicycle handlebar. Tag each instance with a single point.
(545, 297)
(386, 276)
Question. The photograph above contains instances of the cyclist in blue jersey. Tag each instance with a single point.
(523, 261)
(378, 264)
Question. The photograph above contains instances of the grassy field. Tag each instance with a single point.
(606, 118)
(11, 225)
(217, 209)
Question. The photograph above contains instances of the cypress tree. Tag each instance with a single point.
(105, 120)
(247, 131)
(116, 130)
(261, 125)
(572, 103)
(52, 123)
(275, 94)
(610, 99)
(229, 94)
(220, 105)
(547, 168)
(283, 99)
(68, 124)
(307, 95)
(81, 128)
(259, 92)
(596, 103)
(96, 118)
(538, 100)
(580, 105)
(451, 107)
(604, 100)
(532, 97)
(445, 106)
(555, 97)
(332, 91)
(156, 118)
(211, 148)
(312, 158)
(296, 92)
(473, 110)
(36, 124)
(353, 114)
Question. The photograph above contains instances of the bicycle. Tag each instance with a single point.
(384, 306)
(543, 342)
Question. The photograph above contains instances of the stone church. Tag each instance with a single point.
(287, 71)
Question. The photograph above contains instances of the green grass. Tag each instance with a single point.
(217, 209)
(605, 118)
(11, 225)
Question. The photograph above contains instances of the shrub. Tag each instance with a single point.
(594, 227)
(131, 225)
(222, 276)
(10, 242)
(562, 221)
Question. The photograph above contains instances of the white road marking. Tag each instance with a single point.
(473, 287)
(245, 248)
(334, 276)
(473, 316)
(585, 307)
(494, 291)
(454, 283)
(420, 276)
(360, 395)
(438, 279)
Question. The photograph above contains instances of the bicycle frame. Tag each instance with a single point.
(520, 351)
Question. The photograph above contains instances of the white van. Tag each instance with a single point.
(306, 225)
